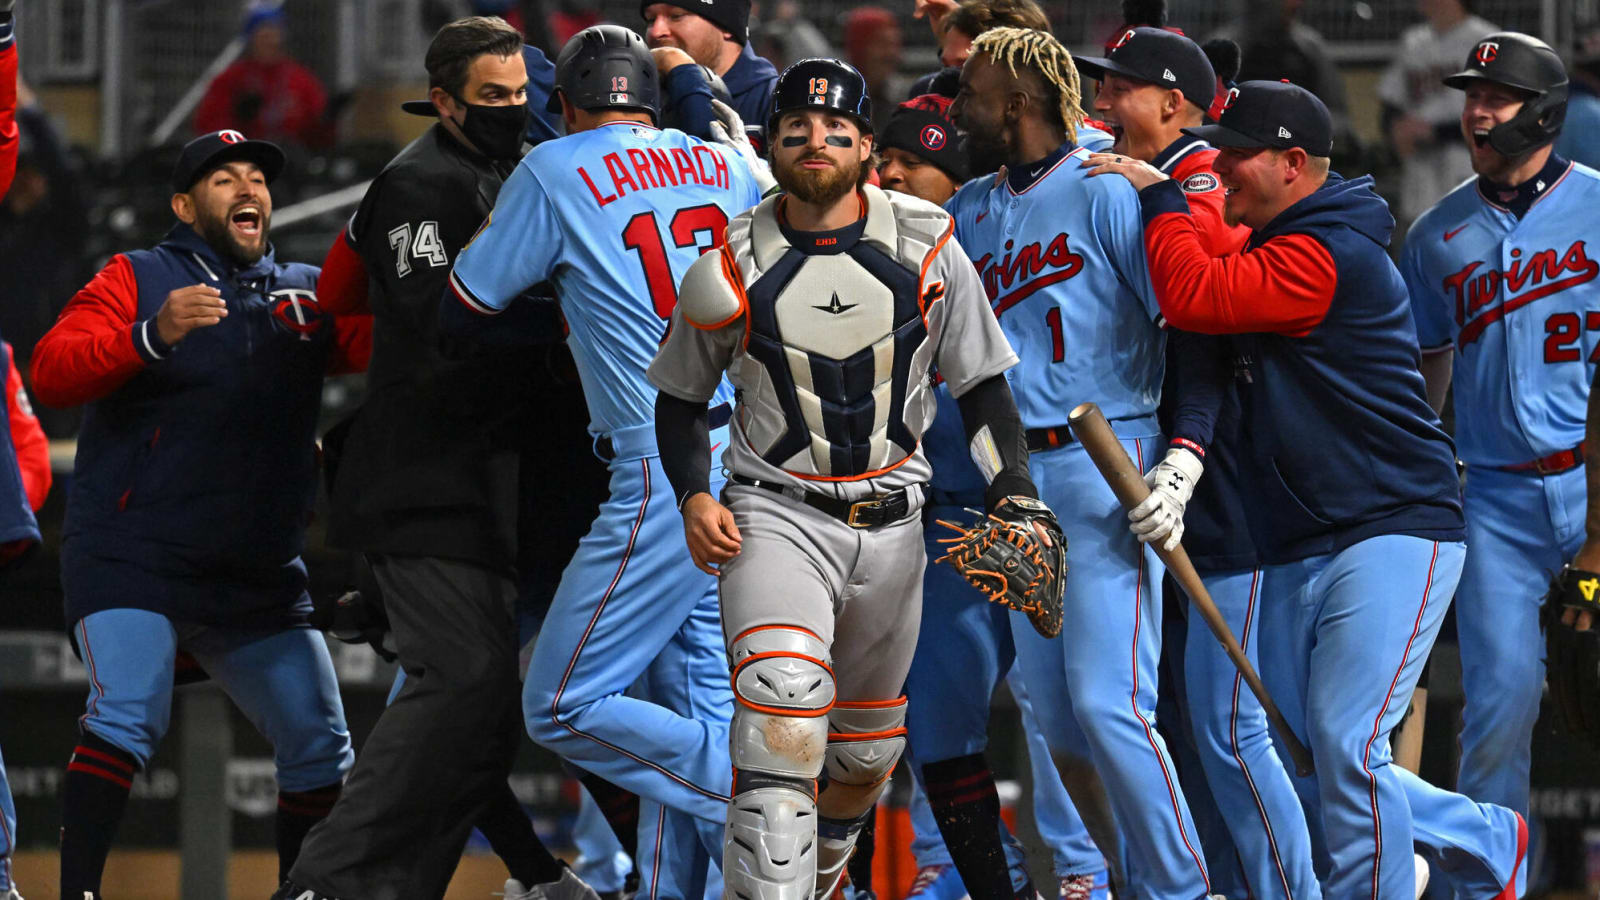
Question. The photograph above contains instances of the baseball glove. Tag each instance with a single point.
(1002, 556)
(1572, 657)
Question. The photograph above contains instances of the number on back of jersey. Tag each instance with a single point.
(421, 243)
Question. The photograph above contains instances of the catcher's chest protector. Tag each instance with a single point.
(833, 377)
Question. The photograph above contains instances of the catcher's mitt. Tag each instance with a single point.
(1572, 657)
(1001, 555)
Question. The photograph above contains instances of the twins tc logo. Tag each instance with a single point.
(1233, 97)
(933, 137)
(1126, 37)
(297, 310)
(229, 136)
(1487, 51)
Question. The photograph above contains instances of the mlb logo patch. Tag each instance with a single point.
(1200, 183)
(619, 99)
(933, 137)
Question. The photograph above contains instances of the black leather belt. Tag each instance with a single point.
(881, 509)
(1040, 439)
(718, 416)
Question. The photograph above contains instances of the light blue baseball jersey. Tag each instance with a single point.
(613, 217)
(1062, 259)
(1518, 300)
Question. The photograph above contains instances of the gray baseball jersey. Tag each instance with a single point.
(832, 347)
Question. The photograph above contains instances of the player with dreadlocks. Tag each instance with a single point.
(1062, 259)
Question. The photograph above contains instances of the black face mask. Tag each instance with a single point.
(497, 131)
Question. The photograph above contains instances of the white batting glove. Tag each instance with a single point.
(1159, 519)
(728, 129)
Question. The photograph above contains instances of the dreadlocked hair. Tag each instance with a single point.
(1040, 53)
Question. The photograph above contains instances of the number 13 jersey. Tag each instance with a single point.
(613, 217)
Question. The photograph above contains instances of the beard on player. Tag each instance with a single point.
(820, 186)
(238, 233)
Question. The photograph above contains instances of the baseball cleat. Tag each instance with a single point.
(1088, 886)
(287, 891)
(568, 887)
(941, 882)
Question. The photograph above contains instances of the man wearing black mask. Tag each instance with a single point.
(427, 488)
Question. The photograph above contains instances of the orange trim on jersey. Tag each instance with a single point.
(927, 263)
(872, 704)
(753, 629)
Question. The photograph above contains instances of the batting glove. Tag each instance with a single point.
(728, 129)
(1159, 519)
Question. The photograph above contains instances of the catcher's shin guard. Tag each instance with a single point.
(783, 688)
(865, 740)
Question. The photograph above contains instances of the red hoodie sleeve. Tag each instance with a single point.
(10, 140)
(27, 435)
(1284, 286)
(96, 344)
(342, 291)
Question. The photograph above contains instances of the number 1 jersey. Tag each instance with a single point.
(613, 217)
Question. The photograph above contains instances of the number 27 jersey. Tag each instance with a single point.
(613, 217)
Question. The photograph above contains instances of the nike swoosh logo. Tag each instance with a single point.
(1035, 172)
(715, 446)
(981, 215)
(1453, 232)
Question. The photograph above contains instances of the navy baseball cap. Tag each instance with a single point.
(1273, 114)
(208, 151)
(1159, 57)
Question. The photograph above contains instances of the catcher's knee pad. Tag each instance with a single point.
(865, 740)
(783, 689)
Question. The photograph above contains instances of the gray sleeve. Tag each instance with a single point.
(971, 346)
(690, 363)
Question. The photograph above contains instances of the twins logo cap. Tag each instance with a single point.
(922, 128)
(1273, 114)
(1159, 57)
(208, 151)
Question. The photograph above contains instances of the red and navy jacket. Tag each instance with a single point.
(1215, 531)
(1343, 444)
(18, 529)
(197, 463)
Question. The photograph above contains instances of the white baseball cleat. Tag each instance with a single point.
(568, 887)
(1423, 871)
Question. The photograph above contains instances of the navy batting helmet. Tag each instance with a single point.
(607, 67)
(819, 83)
(1527, 64)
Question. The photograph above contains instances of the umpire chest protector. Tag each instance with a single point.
(833, 370)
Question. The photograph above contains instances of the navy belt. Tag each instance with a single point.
(880, 509)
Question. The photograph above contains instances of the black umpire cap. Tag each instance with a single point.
(1159, 57)
(209, 151)
(1273, 114)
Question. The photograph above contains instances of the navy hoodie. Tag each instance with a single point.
(1338, 441)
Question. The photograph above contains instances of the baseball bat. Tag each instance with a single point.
(1127, 482)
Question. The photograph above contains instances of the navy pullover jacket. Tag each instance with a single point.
(1339, 444)
(197, 463)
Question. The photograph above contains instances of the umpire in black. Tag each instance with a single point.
(427, 488)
